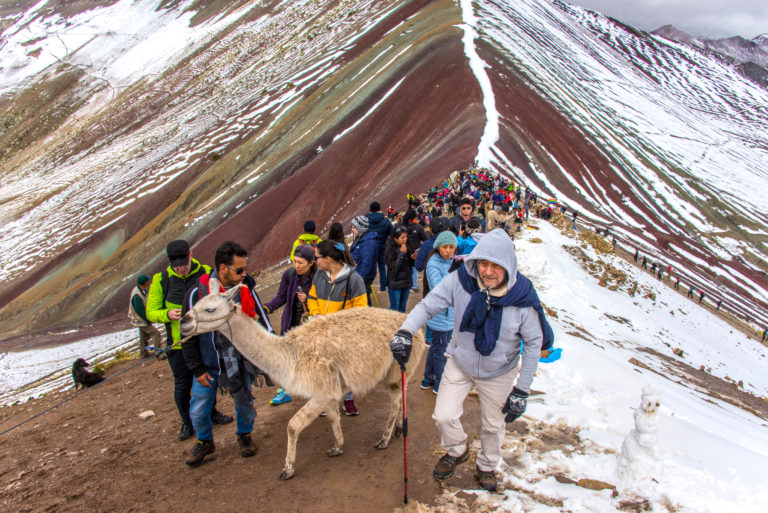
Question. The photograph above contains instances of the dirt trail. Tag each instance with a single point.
(95, 454)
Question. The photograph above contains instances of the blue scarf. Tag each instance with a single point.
(483, 314)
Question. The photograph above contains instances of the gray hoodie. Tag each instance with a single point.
(516, 323)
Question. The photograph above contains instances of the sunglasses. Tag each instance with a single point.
(236, 270)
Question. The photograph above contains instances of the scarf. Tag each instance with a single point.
(234, 363)
(483, 313)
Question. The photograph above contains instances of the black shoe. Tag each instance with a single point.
(219, 418)
(447, 464)
(247, 447)
(199, 451)
(186, 431)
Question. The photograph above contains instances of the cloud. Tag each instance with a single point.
(711, 18)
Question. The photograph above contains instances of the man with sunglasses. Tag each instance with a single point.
(166, 295)
(459, 222)
(215, 362)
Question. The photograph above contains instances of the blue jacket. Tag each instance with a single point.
(426, 248)
(381, 226)
(466, 246)
(437, 270)
(365, 251)
(201, 353)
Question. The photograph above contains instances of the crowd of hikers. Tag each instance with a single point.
(485, 325)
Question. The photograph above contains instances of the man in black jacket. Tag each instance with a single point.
(214, 360)
(466, 209)
(416, 237)
(382, 227)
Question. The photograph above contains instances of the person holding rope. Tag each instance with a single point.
(494, 308)
(215, 362)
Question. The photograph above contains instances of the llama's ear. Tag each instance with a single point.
(214, 287)
(233, 294)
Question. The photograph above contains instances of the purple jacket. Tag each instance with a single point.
(286, 295)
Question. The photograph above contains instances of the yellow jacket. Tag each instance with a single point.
(325, 297)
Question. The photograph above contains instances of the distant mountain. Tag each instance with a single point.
(749, 53)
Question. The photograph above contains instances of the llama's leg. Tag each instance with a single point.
(395, 409)
(296, 425)
(332, 411)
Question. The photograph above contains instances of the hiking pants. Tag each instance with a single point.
(203, 400)
(382, 271)
(398, 298)
(433, 370)
(449, 406)
(148, 335)
(182, 382)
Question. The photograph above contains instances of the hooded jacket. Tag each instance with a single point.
(365, 251)
(347, 291)
(516, 323)
(437, 269)
(381, 226)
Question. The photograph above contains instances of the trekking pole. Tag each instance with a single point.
(405, 446)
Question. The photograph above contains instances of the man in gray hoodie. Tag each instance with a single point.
(495, 308)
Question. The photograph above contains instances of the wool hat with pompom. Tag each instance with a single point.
(360, 223)
(444, 238)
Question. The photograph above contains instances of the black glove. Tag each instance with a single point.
(515, 405)
(401, 347)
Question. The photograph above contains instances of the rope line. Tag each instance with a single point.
(70, 398)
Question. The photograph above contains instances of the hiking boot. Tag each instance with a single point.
(350, 409)
(219, 418)
(247, 447)
(282, 397)
(486, 480)
(199, 451)
(426, 384)
(447, 464)
(186, 431)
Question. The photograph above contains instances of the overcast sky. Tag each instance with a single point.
(711, 18)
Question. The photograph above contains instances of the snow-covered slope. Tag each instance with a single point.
(125, 124)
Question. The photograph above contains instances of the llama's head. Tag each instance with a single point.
(211, 312)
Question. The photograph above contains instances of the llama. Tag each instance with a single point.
(494, 219)
(323, 359)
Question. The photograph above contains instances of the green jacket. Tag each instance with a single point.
(160, 301)
(305, 238)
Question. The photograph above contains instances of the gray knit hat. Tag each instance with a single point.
(446, 237)
(360, 223)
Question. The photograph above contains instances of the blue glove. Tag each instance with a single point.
(554, 356)
(515, 405)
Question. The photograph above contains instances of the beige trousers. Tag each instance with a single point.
(454, 388)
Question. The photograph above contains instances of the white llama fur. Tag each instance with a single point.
(321, 360)
(494, 218)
